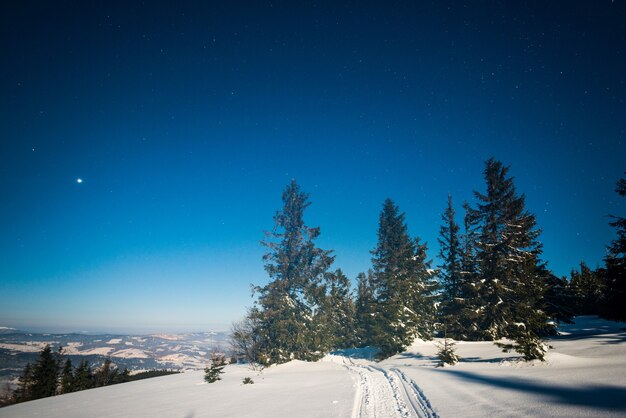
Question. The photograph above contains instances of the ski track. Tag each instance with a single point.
(384, 393)
(415, 395)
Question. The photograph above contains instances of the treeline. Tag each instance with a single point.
(491, 285)
(54, 374)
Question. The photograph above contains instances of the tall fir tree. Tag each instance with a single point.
(468, 319)
(404, 285)
(365, 309)
(45, 374)
(67, 377)
(615, 272)
(512, 288)
(450, 273)
(339, 311)
(289, 305)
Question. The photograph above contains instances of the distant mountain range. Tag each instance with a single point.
(187, 351)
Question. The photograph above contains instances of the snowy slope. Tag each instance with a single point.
(584, 375)
(296, 389)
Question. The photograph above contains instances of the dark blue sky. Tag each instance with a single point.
(186, 121)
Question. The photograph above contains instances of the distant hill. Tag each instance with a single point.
(187, 351)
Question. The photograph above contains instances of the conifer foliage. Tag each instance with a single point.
(403, 285)
(587, 287)
(290, 313)
(45, 373)
(511, 286)
(47, 378)
(212, 373)
(365, 309)
(451, 275)
(339, 311)
(446, 353)
(493, 283)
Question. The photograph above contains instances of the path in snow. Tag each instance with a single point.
(386, 393)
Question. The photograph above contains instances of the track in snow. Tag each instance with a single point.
(420, 403)
(387, 393)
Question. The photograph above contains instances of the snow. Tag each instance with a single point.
(130, 353)
(295, 389)
(584, 375)
(29, 347)
(114, 341)
(101, 351)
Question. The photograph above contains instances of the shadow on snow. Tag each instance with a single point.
(606, 397)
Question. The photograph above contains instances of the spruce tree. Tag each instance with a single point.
(559, 299)
(83, 377)
(45, 374)
(340, 311)
(615, 281)
(67, 377)
(512, 288)
(446, 352)
(289, 305)
(404, 285)
(587, 287)
(365, 309)
(450, 273)
(23, 391)
(212, 374)
(469, 301)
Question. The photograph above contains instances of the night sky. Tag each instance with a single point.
(184, 122)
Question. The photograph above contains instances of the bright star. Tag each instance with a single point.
(79, 180)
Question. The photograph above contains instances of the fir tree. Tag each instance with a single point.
(559, 300)
(512, 288)
(45, 374)
(365, 309)
(83, 377)
(212, 374)
(340, 311)
(615, 281)
(289, 305)
(404, 285)
(587, 287)
(451, 273)
(23, 391)
(468, 327)
(446, 352)
(67, 377)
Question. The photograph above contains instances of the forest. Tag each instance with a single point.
(491, 285)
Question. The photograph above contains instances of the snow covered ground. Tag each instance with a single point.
(584, 375)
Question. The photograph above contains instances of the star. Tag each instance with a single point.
(79, 180)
